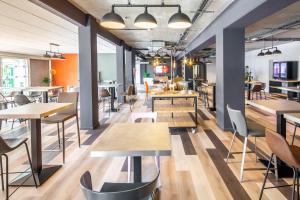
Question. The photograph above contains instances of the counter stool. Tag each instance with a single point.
(287, 153)
(244, 129)
(6, 146)
(104, 96)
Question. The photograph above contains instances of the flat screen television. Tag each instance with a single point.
(276, 70)
(287, 70)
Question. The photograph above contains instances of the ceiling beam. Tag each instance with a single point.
(63, 9)
(71, 13)
(238, 14)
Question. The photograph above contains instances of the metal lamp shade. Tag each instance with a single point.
(145, 20)
(261, 53)
(277, 51)
(268, 53)
(179, 21)
(113, 21)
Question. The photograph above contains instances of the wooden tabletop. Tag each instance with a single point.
(276, 106)
(134, 139)
(42, 88)
(294, 117)
(171, 93)
(33, 110)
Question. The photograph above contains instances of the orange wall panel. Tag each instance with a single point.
(66, 71)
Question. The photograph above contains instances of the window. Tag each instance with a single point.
(14, 73)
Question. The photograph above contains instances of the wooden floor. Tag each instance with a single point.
(196, 169)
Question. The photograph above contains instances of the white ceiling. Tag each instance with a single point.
(142, 38)
(28, 29)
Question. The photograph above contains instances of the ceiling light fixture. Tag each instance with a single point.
(112, 20)
(54, 53)
(145, 20)
(277, 51)
(157, 56)
(179, 20)
(261, 53)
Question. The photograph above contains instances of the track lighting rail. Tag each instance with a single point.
(146, 5)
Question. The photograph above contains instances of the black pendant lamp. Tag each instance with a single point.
(277, 51)
(261, 53)
(179, 20)
(145, 20)
(112, 20)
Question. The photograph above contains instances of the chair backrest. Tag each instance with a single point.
(137, 193)
(263, 86)
(256, 88)
(35, 93)
(2, 98)
(130, 90)
(143, 115)
(238, 121)
(21, 99)
(69, 97)
(4, 148)
(281, 148)
(103, 93)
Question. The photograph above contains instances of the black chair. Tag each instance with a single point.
(118, 191)
(6, 146)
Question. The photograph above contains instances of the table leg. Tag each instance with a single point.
(196, 106)
(113, 96)
(172, 102)
(249, 91)
(42, 173)
(153, 104)
(214, 99)
(45, 97)
(298, 96)
(281, 125)
(137, 167)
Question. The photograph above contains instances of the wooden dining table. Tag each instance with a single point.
(279, 108)
(34, 112)
(135, 140)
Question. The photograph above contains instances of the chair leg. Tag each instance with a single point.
(255, 149)
(63, 138)
(243, 159)
(294, 134)
(78, 131)
(128, 169)
(12, 125)
(294, 183)
(157, 162)
(30, 163)
(7, 184)
(231, 144)
(297, 186)
(58, 135)
(2, 180)
(266, 176)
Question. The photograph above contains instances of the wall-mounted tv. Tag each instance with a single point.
(287, 70)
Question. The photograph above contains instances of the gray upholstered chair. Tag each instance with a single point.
(35, 96)
(244, 129)
(6, 146)
(105, 97)
(20, 100)
(61, 117)
(118, 191)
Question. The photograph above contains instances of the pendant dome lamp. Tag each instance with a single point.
(145, 20)
(112, 20)
(179, 20)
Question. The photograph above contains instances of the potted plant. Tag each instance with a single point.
(46, 81)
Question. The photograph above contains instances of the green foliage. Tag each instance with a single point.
(146, 74)
(46, 80)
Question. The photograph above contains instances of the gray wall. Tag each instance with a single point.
(107, 65)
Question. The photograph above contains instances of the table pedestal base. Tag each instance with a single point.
(45, 174)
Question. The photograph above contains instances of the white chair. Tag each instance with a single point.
(134, 117)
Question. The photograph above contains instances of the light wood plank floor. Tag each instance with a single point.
(196, 169)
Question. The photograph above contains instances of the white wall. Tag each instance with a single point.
(211, 71)
(261, 67)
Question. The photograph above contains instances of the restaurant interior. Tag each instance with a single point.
(138, 99)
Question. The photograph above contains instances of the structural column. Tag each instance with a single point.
(121, 70)
(88, 74)
(230, 61)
